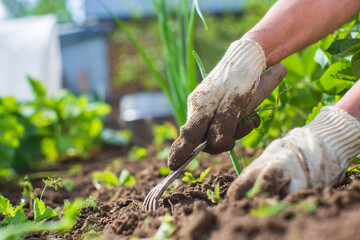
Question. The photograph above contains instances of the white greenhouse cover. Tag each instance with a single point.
(29, 47)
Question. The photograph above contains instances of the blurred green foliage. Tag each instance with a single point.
(210, 44)
(36, 133)
(21, 8)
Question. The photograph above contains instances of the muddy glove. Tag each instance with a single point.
(318, 153)
(216, 104)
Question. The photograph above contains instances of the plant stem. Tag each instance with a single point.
(235, 161)
(43, 192)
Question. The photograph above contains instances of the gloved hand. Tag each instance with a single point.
(215, 105)
(318, 153)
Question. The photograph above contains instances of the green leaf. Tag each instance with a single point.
(126, 178)
(188, 178)
(217, 189)
(314, 112)
(164, 171)
(42, 212)
(337, 79)
(355, 64)
(321, 58)
(37, 87)
(200, 64)
(5, 207)
(275, 207)
(350, 46)
(43, 117)
(200, 14)
(335, 47)
(204, 173)
(106, 176)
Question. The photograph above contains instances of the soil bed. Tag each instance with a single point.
(195, 216)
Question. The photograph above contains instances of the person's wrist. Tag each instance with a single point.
(340, 131)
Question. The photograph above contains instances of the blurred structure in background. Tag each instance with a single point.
(29, 47)
(80, 48)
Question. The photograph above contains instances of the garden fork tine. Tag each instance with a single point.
(152, 199)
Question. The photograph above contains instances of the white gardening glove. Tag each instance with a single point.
(215, 105)
(318, 153)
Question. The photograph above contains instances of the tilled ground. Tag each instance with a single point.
(195, 216)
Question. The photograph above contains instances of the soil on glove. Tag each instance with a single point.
(335, 216)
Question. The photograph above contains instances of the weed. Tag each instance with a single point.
(28, 192)
(112, 180)
(106, 176)
(137, 153)
(214, 196)
(126, 178)
(68, 184)
(90, 203)
(163, 133)
(164, 171)
(51, 182)
(190, 179)
(274, 207)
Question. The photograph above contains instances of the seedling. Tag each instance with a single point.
(126, 178)
(164, 171)
(274, 207)
(28, 192)
(90, 203)
(53, 183)
(189, 177)
(137, 153)
(214, 196)
(112, 180)
(106, 176)
(68, 184)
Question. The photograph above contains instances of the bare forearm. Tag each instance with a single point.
(291, 25)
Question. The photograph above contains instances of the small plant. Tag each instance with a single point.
(163, 133)
(21, 227)
(68, 184)
(274, 207)
(164, 171)
(126, 178)
(112, 180)
(137, 153)
(90, 203)
(190, 179)
(51, 182)
(214, 196)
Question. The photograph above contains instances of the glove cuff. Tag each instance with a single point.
(340, 131)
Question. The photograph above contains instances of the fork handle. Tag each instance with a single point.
(171, 177)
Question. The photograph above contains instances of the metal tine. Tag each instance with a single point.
(152, 198)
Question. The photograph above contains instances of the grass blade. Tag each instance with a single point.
(235, 162)
(200, 64)
(200, 14)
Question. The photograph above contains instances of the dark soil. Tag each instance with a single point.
(196, 217)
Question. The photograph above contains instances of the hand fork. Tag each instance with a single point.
(152, 199)
(269, 80)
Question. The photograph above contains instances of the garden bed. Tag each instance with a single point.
(331, 213)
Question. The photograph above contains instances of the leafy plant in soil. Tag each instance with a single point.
(15, 224)
(164, 171)
(214, 196)
(38, 132)
(190, 179)
(137, 153)
(273, 207)
(111, 180)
